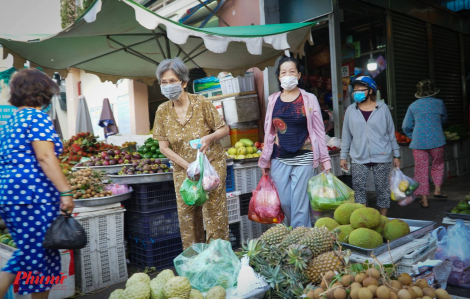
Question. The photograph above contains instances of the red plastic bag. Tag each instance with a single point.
(265, 205)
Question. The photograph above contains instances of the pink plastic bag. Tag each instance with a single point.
(265, 205)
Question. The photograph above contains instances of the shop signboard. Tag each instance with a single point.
(124, 115)
(6, 110)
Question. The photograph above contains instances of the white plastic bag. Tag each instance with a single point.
(248, 281)
(210, 179)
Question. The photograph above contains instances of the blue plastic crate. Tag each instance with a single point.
(153, 225)
(158, 253)
(163, 200)
(230, 182)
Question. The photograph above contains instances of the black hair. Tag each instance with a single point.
(298, 66)
(325, 115)
(32, 88)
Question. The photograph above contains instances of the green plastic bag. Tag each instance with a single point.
(209, 265)
(327, 192)
(192, 191)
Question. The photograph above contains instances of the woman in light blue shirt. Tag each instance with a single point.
(423, 124)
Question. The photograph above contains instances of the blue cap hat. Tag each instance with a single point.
(367, 81)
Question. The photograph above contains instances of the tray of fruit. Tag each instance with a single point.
(110, 161)
(142, 178)
(245, 151)
(461, 211)
(100, 201)
(144, 171)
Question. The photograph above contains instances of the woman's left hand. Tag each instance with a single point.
(206, 142)
(396, 163)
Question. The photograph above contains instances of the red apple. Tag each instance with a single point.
(257, 144)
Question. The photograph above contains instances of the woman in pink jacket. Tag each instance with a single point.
(294, 142)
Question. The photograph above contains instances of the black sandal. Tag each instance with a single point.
(422, 206)
(441, 196)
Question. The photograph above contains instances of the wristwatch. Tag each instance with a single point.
(397, 157)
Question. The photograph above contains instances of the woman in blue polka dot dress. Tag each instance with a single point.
(31, 182)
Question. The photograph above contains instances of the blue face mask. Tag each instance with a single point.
(359, 96)
(46, 108)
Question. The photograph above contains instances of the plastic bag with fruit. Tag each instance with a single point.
(210, 179)
(402, 187)
(265, 205)
(326, 192)
(192, 190)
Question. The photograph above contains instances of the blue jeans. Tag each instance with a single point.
(291, 184)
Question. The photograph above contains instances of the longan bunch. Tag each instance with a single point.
(86, 183)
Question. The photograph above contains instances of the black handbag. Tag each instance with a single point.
(65, 233)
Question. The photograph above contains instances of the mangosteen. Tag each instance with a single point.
(121, 161)
(170, 170)
(98, 163)
(111, 153)
(98, 159)
(127, 157)
(135, 164)
(106, 163)
(151, 171)
(146, 168)
(160, 171)
(137, 156)
(129, 172)
(117, 152)
(147, 161)
(139, 168)
(163, 166)
(107, 158)
(139, 172)
(112, 162)
(158, 161)
(145, 172)
(127, 162)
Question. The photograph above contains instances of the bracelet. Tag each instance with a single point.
(397, 157)
(65, 192)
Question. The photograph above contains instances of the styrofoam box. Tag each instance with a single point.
(241, 109)
(99, 269)
(60, 291)
(247, 176)
(239, 84)
(104, 229)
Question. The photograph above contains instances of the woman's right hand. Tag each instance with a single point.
(265, 171)
(66, 204)
(344, 164)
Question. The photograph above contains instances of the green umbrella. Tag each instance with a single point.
(121, 39)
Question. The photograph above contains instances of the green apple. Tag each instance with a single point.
(232, 151)
(239, 145)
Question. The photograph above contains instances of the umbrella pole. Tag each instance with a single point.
(158, 43)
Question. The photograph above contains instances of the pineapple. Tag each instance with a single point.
(295, 236)
(275, 234)
(319, 240)
(298, 256)
(328, 261)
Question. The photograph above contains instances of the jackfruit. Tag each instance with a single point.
(344, 211)
(329, 223)
(343, 232)
(380, 228)
(365, 218)
(365, 238)
(395, 229)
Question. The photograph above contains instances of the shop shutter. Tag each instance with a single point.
(448, 72)
(410, 46)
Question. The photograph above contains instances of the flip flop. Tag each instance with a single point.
(441, 196)
(422, 206)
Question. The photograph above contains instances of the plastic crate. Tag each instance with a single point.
(336, 169)
(247, 177)
(251, 230)
(233, 207)
(405, 265)
(104, 229)
(153, 225)
(152, 197)
(99, 269)
(245, 203)
(231, 85)
(157, 253)
(230, 181)
(235, 235)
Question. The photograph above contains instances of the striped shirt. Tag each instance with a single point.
(302, 160)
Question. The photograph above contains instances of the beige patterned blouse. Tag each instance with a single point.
(201, 120)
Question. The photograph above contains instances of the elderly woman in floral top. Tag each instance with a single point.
(423, 124)
(183, 118)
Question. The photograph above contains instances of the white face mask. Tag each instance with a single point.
(172, 91)
(289, 83)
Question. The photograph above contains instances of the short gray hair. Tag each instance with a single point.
(176, 65)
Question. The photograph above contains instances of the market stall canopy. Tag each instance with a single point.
(117, 39)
